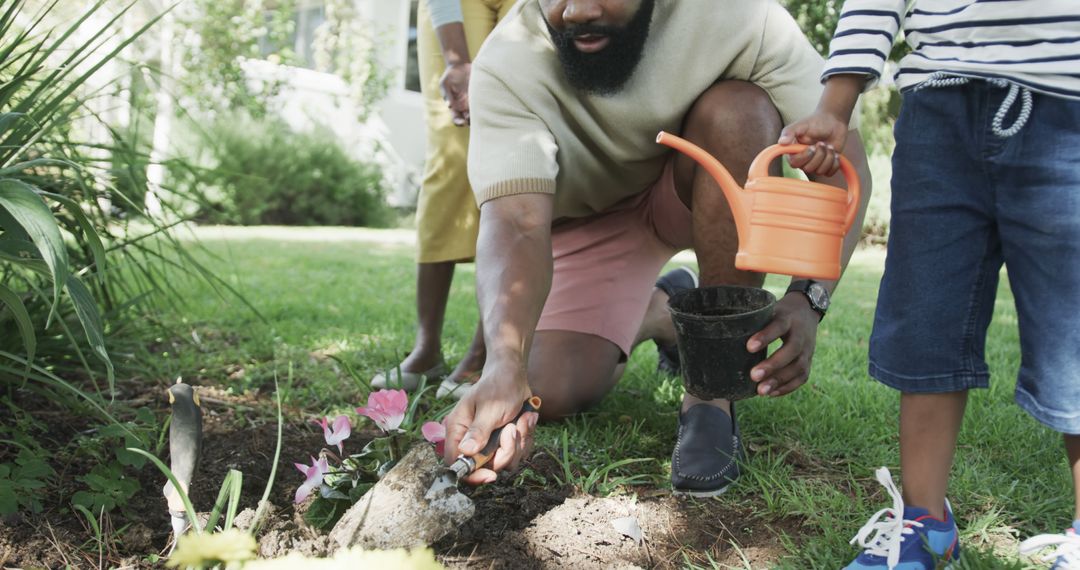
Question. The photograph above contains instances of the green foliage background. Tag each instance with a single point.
(252, 171)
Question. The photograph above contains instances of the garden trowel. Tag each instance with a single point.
(464, 465)
(185, 446)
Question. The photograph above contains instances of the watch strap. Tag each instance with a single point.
(803, 286)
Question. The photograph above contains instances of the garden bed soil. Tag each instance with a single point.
(518, 526)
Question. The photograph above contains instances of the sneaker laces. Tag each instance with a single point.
(1067, 553)
(884, 533)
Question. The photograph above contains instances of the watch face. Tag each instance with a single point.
(819, 296)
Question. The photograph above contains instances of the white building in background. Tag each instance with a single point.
(395, 133)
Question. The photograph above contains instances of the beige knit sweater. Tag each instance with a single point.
(532, 132)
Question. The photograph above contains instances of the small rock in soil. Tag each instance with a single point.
(396, 514)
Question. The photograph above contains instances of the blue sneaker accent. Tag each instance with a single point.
(916, 541)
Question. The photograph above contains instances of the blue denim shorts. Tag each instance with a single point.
(966, 200)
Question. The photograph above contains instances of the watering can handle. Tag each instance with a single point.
(760, 169)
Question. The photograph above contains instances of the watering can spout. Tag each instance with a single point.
(736, 198)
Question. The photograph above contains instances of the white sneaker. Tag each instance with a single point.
(398, 379)
(456, 388)
(1065, 557)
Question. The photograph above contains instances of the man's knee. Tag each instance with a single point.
(734, 109)
(570, 371)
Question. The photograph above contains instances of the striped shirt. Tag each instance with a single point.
(1033, 43)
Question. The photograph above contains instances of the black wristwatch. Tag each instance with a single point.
(815, 292)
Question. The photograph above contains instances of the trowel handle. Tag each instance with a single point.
(485, 454)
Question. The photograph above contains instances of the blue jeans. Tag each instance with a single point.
(965, 201)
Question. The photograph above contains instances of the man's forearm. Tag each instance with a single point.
(513, 275)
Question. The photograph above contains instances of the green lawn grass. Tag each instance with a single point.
(350, 294)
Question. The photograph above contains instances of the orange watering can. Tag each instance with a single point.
(785, 225)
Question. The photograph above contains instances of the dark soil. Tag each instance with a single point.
(520, 526)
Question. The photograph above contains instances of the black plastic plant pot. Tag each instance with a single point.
(712, 325)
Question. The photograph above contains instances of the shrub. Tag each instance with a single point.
(263, 172)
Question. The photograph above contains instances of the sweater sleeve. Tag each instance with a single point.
(511, 150)
(864, 37)
(444, 12)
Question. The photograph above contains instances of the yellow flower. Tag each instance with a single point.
(354, 558)
(200, 550)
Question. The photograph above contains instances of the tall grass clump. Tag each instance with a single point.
(77, 281)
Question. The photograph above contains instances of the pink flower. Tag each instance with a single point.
(337, 432)
(435, 432)
(313, 477)
(386, 408)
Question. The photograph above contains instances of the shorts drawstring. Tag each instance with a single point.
(941, 79)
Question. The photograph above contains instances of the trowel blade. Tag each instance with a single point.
(446, 480)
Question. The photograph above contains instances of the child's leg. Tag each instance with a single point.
(929, 426)
(941, 276)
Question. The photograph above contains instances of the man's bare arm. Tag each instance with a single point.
(513, 277)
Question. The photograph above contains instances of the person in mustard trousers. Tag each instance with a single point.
(450, 35)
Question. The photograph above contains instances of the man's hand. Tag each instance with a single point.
(455, 90)
(789, 366)
(493, 402)
(824, 132)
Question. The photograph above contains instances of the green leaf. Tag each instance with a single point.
(230, 491)
(144, 415)
(20, 167)
(125, 457)
(29, 483)
(12, 230)
(89, 233)
(8, 501)
(358, 491)
(324, 513)
(82, 499)
(22, 319)
(7, 119)
(26, 207)
(328, 492)
(87, 310)
(20, 251)
(32, 467)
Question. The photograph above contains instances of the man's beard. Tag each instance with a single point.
(604, 72)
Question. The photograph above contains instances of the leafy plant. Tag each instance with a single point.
(341, 480)
(109, 483)
(39, 75)
(107, 488)
(77, 280)
(223, 34)
(344, 45)
(263, 172)
(22, 482)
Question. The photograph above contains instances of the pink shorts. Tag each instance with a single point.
(606, 265)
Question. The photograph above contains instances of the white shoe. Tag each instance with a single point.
(1065, 557)
(456, 388)
(398, 379)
